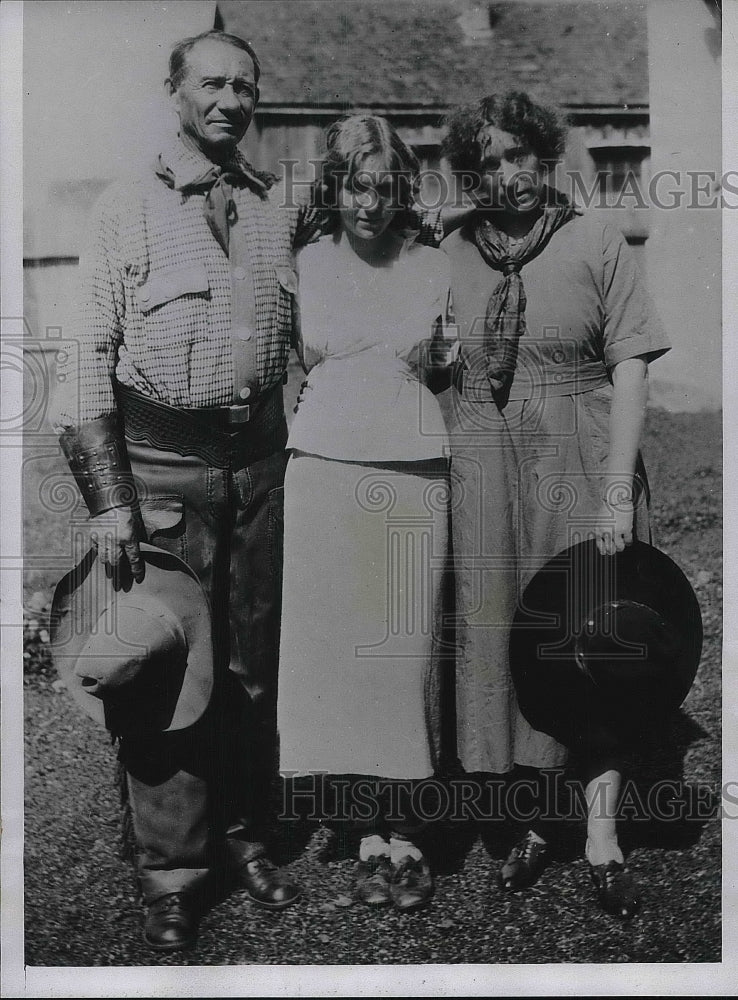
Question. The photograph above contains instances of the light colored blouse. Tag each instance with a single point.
(366, 335)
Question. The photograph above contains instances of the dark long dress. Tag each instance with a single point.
(527, 480)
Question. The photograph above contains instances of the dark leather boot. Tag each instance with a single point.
(171, 922)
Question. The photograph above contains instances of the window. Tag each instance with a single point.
(618, 169)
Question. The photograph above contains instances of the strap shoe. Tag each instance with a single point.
(616, 891)
(373, 880)
(525, 863)
(412, 883)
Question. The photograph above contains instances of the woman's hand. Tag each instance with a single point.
(304, 386)
(614, 527)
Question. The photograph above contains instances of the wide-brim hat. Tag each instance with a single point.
(138, 659)
(604, 648)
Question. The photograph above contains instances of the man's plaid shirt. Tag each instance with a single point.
(165, 311)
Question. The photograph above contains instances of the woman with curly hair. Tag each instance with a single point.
(366, 508)
(556, 333)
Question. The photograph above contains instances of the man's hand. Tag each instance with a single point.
(117, 534)
(97, 456)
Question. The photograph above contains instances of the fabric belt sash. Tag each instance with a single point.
(530, 383)
(224, 437)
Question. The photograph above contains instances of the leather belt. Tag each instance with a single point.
(225, 416)
(223, 436)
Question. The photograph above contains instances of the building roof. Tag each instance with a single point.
(437, 53)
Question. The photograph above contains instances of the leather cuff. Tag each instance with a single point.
(97, 456)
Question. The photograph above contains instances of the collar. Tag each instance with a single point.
(188, 166)
(409, 238)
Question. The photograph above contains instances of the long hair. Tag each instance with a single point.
(350, 141)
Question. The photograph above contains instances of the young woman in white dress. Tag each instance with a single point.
(366, 514)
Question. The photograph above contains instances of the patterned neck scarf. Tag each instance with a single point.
(217, 183)
(504, 322)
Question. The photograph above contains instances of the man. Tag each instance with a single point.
(177, 436)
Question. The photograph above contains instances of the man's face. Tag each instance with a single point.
(216, 99)
(511, 174)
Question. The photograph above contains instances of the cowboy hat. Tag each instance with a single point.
(603, 648)
(137, 660)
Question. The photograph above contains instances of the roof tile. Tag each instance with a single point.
(415, 52)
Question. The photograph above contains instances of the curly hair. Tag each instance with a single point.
(350, 141)
(543, 129)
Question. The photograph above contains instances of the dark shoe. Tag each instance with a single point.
(412, 884)
(524, 865)
(616, 890)
(373, 881)
(266, 884)
(171, 922)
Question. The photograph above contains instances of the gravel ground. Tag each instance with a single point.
(81, 907)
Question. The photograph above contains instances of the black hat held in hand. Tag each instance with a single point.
(603, 648)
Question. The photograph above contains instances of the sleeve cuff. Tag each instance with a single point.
(636, 346)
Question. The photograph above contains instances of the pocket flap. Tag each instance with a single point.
(163, 286)
(287, 277)
(161, 513)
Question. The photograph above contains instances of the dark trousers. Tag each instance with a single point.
(188, 789)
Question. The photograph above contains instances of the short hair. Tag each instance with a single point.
(542, 128)
(350, 141)
(178, 56)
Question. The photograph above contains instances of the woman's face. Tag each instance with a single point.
(367, 201)
(511, 175)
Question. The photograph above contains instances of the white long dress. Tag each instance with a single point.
(365, 539)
